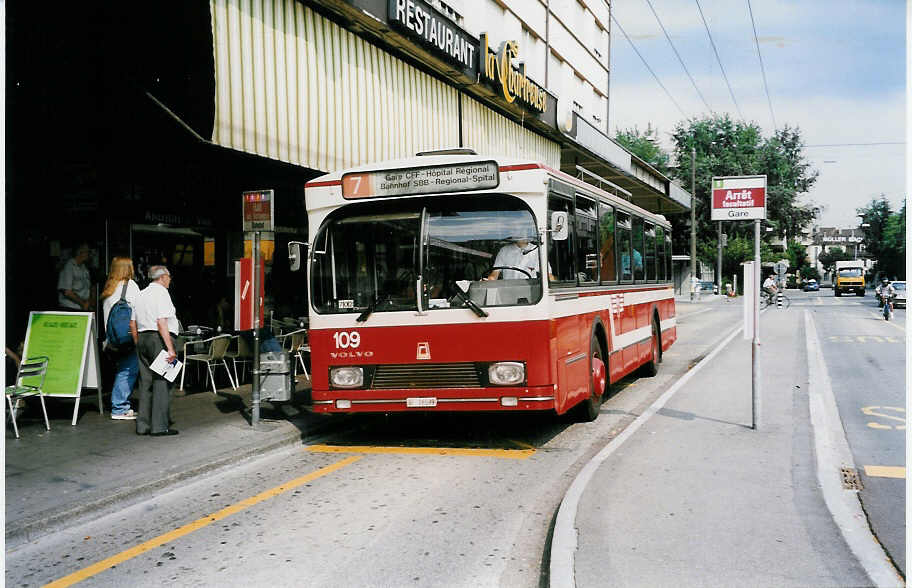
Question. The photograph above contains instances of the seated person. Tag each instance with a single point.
(516, 254)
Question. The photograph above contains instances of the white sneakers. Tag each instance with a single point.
(127, 416)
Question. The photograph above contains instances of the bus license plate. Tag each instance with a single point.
(421, 402)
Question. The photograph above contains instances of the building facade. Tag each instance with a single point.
(141, 126)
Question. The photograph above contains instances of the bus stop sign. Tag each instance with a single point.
(259, 211)
(738, 198)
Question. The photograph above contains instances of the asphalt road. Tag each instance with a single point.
(408, 500)
(866, 360)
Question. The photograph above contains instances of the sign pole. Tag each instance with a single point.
(258, 215)
(255, 418)
(755, 341)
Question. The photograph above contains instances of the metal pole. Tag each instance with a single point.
(719, 261)
(255, 415)
(755, 342)
(693, 213)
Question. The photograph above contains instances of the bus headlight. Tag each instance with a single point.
(506, 373)
(346, 377)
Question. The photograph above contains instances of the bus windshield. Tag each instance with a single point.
(468, 251)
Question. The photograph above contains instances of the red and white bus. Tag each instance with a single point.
(425, 291)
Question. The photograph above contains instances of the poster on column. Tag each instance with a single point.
(68, 340)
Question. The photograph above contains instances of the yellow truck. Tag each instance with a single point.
(849, 277)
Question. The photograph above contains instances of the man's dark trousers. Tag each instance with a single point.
(154, 389)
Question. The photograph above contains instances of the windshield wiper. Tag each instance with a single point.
(470, 303)
(367, 311)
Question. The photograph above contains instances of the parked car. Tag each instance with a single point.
(707, 286)
(811, 285)
(900, 299)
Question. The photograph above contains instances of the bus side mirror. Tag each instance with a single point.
(296, 252)
(559, 228)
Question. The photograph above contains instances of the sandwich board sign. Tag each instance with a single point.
(69, 341)
(738, 198)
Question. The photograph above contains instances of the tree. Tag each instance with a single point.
(828, 260)
(645, 146)
(885, 236)
(729, 148)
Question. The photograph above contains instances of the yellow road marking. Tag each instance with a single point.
(196, 525)
(885, 471)
(498, 453)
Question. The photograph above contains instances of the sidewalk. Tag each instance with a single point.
(695, 497)
(54, 478)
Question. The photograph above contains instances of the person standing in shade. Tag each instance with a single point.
(156, 320)
(121, 276)
(74, 284)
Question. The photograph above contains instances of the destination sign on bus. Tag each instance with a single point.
(421, 180)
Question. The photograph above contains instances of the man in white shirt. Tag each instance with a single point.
(769, 286)
(74, 284)
(517, 254)
(156, 321)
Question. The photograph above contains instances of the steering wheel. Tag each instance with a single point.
(485, 273)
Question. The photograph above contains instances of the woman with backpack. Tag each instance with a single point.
(120, 285)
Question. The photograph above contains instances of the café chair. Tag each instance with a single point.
(215, 355)
(29, 382)
(297, 344)
(239, 353)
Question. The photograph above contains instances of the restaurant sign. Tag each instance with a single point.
(498, 70)
(421, 180)
(421, 21)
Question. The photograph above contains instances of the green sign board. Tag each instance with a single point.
(64, 338)
(68, 340)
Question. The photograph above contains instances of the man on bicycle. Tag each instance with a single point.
(885, 291)
(769, 286)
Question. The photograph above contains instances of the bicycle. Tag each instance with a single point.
(887, 307)
(767, 300)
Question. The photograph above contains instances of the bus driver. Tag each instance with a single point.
(516, 254)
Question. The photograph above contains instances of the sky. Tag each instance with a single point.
(836, 69)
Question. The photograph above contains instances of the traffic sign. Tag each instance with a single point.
(781, 267)
(738, 198)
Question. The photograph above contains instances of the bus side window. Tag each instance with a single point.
(650, 252)
(587, 240)
(660, 253)
(638, 249)
(624, 248)
(607, 258)
(560, 253)
(668, 274)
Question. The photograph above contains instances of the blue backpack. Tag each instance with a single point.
(117, 333)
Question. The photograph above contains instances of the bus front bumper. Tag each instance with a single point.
(438, 400)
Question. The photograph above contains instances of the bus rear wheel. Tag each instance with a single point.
(588, 409)
(651, 368)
